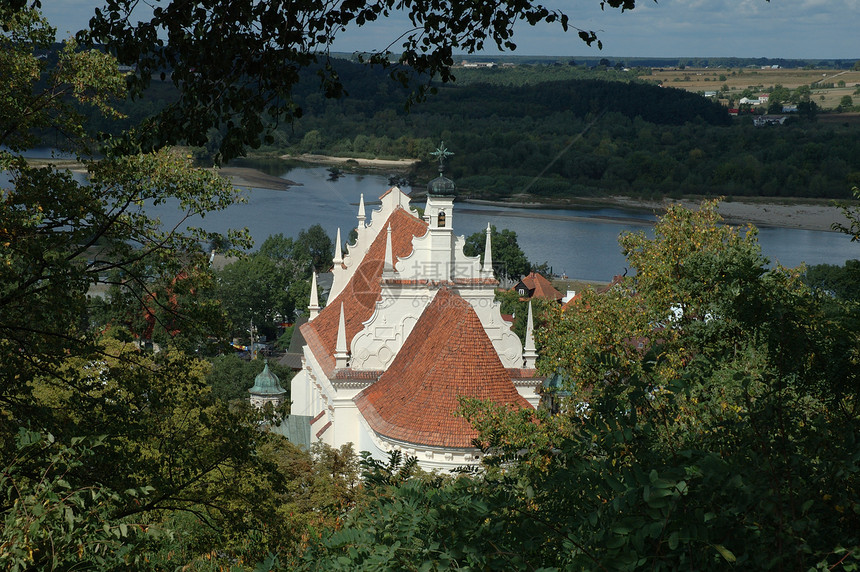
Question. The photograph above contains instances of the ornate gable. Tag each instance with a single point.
(360, 294)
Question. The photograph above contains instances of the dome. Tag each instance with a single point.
(441, 186)
(267, 383)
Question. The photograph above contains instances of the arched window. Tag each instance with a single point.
(440, 219)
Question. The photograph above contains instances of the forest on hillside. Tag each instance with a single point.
(581, 137)
(600, 131)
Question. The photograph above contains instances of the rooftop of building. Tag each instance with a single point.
(446, 356)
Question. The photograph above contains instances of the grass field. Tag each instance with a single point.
(761, 80)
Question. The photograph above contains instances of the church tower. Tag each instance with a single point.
(439, 216)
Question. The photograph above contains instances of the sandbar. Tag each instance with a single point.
(358, 162)
(819, 215)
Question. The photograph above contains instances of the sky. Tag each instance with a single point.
(792, 29)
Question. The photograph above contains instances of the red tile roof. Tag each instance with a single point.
(446, 356)
(360, 295)
(434, 283)
(541, 287)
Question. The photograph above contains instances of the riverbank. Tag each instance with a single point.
(248, 177)
(810, 214)
(239, 176)
(819, 215)
(384, 164)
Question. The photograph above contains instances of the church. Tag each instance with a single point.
(410, 327)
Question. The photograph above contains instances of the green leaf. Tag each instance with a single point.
(673, 540)
(725, 552)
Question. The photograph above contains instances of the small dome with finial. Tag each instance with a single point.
(441, 186)
(267, 383)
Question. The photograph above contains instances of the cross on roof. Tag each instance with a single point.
(441, 153)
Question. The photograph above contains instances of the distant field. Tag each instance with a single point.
(760, 80)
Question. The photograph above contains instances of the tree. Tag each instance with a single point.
(272, 45)
(696, 357)
(846, 102)
(807, 109)
(802, 93)
(231, 377)
(255, 289)
(314, 244)
(83, 77)
(273, 284)
(125, 439)
(53, 524)
(60, 236)
(509, 260)
(853, 216)
(839, 281)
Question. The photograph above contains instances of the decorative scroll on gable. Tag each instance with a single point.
(376, 346)
(390, 201)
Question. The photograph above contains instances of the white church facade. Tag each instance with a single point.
(410, 327)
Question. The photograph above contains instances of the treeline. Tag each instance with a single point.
(581, 137)
(515, 134)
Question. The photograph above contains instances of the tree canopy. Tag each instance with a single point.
(272, 285)
(106, 447)
(713, 416)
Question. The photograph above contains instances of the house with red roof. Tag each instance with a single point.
(411, 326)
(536, 286)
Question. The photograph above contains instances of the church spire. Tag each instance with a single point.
(314, 306)
(488, 253)
(361, 212)
(338, 254)
(340, 351)
(388, 265)
(360, 229)
(530, 352)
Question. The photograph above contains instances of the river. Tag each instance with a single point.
(582, 243)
